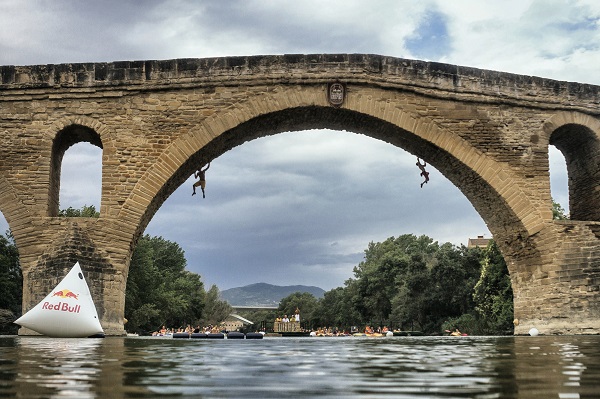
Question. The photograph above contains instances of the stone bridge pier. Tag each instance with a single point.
(488, 132)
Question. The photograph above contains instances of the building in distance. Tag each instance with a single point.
(478, 242)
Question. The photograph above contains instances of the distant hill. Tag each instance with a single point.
(263, 294)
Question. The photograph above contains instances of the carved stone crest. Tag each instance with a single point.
(336, 93)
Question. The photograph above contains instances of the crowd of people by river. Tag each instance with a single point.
(164, 331)
(336, 332)
(285, 319)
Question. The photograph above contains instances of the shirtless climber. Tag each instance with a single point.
(424, 173)
(200, 174)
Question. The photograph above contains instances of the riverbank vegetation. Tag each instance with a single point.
(160, 291)
(414, 283)
(406, 283)
(11, 285)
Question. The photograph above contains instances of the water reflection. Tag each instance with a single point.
(67, 366)
(553, 367)
(399, 367)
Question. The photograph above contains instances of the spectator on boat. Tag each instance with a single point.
(285, 319)
(424, 173)
(297, 316)
(200, 174)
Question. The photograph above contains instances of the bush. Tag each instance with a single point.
(7, 327)
(466, 323)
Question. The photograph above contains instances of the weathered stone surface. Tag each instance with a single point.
(488, 132)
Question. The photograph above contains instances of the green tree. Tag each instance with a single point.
(304, 301)
(216, 310)
(413, 282)
(493, 293)
(335, 309)
(159, 289)
(11, 284)
(558, 213)
(260, 318)
(84, 212)
(411, 304)
(453, 277)
(385, 264)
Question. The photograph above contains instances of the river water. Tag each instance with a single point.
(397, 367)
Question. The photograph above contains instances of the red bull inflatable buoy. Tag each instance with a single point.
(68, 311)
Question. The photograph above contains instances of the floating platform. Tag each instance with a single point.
(230, 335)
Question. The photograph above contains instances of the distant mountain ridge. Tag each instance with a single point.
(263, 294)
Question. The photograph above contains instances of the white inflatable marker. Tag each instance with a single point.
(534, 332)
(67, 312)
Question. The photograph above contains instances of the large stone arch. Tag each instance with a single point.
(487, 183)
(468, 168)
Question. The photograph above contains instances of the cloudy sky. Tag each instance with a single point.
(292, 208)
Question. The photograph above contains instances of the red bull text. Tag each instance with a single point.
(62, 306)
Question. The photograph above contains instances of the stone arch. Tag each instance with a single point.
(66, 137)
(488, 184)
(577, 136)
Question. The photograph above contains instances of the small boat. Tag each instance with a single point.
(229, 335)
(456, 333)
(66, 312)
(372, 335)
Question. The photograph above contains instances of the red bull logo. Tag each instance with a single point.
(65, 294)
(63, 306)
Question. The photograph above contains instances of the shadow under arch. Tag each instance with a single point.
(580, 146)
(64, 139)
(507, 227)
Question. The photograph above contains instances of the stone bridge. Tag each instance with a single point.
(155, 121)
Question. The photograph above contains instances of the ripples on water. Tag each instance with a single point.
(563, 367)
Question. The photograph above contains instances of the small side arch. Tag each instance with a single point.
(577, 137)
(64, 139)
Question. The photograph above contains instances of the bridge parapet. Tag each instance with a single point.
(388, 71)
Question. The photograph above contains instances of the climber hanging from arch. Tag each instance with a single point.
(200, 174)
(424, 173)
